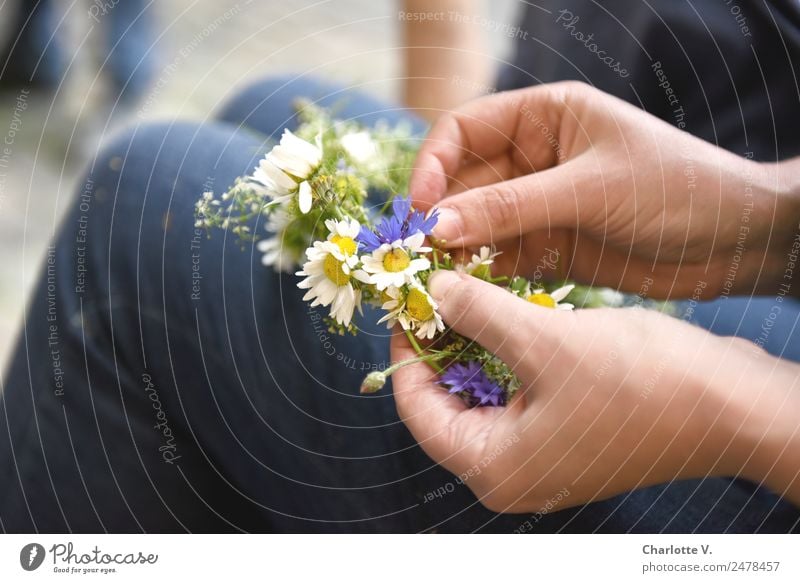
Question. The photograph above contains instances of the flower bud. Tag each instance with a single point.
(373, 382)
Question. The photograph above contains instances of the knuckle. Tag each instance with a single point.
(577, 88)
(452, 125)
(502, 206)
(462, 296)
(445, 121)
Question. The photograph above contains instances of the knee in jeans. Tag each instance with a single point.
(268, 103)
(171, 161)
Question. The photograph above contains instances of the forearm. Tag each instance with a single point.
(445, 54)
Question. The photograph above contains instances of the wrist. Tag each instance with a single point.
(764, 435)
(719, 430)
(778, 187)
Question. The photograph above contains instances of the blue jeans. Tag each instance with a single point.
(128, 54)
(165, 381)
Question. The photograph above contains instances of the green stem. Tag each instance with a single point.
(421, 352)
(428, 357)
(414, 342)
(435, 258)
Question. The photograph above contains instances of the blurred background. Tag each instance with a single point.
(74, 72)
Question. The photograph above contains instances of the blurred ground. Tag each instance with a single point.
(205, 48)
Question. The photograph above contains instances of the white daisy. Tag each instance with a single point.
(395, 264)
(275, 253)
(611, 297)
(392, 300)
(287, 167)
(552, 299)
(330, 270)
(479, 265)
(359, 146)
(278, 219)
(413, 310)
(295, 156)
(344, 234)
(277, 183)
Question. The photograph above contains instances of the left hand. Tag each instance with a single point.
(611, 400)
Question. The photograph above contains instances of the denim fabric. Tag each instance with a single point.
(35, 51)
(165, 381)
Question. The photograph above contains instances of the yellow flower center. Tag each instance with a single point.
(542, 299)
(396, 260)
(418, 305)
(333, 270)
(346, 245)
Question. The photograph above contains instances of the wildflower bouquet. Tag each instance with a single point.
(312, 189)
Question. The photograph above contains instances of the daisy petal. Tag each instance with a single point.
(304, 197)
(562, 292)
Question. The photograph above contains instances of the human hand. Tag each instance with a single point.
(611, 400)
(622, 198)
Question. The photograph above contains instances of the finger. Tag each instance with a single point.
(541, 256)
(544, 200)
(484, 129)
(481, 173)
(448, 431)
(501, 322)
(426, 408)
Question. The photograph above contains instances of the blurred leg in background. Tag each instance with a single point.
(34, 49)
(129, 40)
(31, 52)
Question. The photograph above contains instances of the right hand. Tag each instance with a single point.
(611, 400)
(622, 197)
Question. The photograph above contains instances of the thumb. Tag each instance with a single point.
(423, 405)
(500, 321)
(509, 209)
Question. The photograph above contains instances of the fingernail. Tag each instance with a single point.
(441, 281)
(448, 227)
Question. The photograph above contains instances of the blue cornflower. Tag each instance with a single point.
(471, 380)
(488, 392)
(459, 376)
(401, 224)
